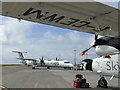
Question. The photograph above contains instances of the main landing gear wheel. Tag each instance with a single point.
(102, 83)
(48, 67)
(70, 68)
(33, 67)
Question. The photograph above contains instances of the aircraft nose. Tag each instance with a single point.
(71, 65)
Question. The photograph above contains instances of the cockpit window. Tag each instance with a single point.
(66, 62)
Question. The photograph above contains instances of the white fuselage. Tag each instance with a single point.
(54, 63)
(28, 62)
(107, 66)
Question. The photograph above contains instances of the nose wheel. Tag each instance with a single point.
(33, 67)
(102, 83)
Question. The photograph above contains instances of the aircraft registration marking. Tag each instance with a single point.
(47, 16)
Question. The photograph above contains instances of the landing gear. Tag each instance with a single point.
(33, 67)
(64, 67)
(48, 67)
(70, 68)
(102, 83)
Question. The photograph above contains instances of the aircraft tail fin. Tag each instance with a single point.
(20, 54)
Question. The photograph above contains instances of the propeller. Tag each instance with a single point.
(83, 52)
(41, 61)
(56, 59)
(96, 37)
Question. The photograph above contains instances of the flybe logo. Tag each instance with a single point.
(112, 66)
(55, 18)
(55, 63)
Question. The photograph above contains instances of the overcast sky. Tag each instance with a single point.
(41, 40)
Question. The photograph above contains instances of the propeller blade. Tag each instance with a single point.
(42, 57)
(56, 59)
(96, 37)
(87, 49)
(83, 53)
(42, 61)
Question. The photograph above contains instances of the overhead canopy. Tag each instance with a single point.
(91, 17)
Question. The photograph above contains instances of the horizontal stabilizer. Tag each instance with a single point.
(18, 52)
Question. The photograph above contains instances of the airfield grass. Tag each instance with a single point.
(10, 65)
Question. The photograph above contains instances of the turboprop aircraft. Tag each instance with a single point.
(26, 61)
(107, 64)
(91, 17)
(56, 63)
(41, 62)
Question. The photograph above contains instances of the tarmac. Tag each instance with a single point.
(41, 78)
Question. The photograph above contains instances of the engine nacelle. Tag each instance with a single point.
(104, 50)
(87, 64)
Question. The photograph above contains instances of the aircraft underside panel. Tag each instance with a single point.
(91, 17)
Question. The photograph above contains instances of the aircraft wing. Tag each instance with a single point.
(30, 59)
(91, 17)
